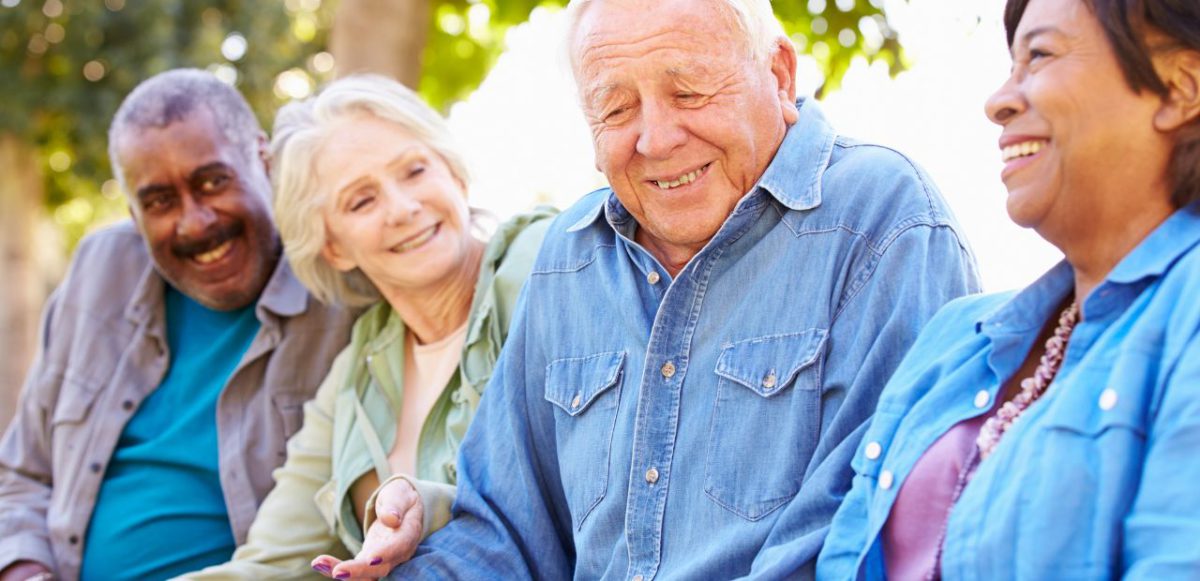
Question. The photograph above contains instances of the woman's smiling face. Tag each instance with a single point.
(1077, 139)
(393, 208)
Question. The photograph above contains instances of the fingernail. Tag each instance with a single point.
(376, 561)
(321, 568)
(342, 575)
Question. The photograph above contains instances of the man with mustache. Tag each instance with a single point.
(174, 358)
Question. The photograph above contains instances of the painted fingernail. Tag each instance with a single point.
(342, 575)
(321, 568)
(376, 561)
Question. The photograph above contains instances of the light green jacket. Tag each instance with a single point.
(350, 425)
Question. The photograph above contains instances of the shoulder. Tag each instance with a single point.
(119, 246)
(954, 325)
(880, 192)
(575, 237)
(106, 269)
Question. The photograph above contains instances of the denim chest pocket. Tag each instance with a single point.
(586, 393)
(765, 422)
(1090, 445)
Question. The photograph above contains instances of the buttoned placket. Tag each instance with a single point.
(660, 397)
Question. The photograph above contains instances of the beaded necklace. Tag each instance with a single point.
(1031, 387)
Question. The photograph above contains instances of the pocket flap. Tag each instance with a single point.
(75, 399)
(768, 364)
(573, 383)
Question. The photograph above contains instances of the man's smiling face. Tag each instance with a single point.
(201, 204)
(684, 119)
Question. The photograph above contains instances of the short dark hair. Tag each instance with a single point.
(1125, 24)
(171, 96)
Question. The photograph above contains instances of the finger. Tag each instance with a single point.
(362, 568)
(325, 564)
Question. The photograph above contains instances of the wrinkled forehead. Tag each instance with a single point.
(603, 30)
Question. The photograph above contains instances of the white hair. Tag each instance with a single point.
(755, 19)
(301, 129)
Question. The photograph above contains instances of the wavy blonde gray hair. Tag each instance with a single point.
(301, 129)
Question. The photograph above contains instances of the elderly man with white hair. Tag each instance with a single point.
(698, 347)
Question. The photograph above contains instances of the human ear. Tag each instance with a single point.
(1180, 72)
(263, 147)
(332, 253)
(783, 68)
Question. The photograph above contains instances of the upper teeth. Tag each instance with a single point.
(682, 180)
(1021, 149)
(415, 242)
(215, 254)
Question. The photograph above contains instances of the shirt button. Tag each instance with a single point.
(1108, 399)
(95, 467)
(652, 475)
(668, 370)
(873, 451)
(982, 398)
(127, 405)
(575, 402)
(653, 277)
(74, 540)
(769, 381)
(885, 479)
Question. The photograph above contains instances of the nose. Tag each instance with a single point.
(196, 219)
(402, 207)
(1006, 103)
(661, 132)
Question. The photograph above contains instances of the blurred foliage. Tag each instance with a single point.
(66, 65)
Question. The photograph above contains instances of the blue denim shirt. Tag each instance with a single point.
(700, 427)
(1062, 495)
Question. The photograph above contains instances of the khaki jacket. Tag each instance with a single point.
(102, 351)
(351, 424)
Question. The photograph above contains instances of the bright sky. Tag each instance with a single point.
(527, 142)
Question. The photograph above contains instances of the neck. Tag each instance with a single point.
(433, 313)
(1098, 246)
(670, 256)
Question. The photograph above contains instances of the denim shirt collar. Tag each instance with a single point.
(793, 177)
(1031, 308)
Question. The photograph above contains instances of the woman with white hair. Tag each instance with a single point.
(371, 203)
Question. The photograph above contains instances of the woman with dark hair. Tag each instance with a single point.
(1052, 433)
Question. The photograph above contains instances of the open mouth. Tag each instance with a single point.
(1022, 149)
(417, 240)
(215, 254)
(682, 180)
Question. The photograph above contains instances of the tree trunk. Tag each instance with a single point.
(381, 36)
(22, 288)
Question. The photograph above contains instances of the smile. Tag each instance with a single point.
(215, 254)
(418, 240)
(682, 180)
(1023, 149)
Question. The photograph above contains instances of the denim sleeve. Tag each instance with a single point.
(919, 269)
(510, 519)
(1163, 525)
(26, 466)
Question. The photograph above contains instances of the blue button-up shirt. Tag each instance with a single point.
(700, 427)
(1098, 478)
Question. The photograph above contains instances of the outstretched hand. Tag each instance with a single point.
(391, 539)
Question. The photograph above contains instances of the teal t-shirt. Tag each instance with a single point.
(160, 511)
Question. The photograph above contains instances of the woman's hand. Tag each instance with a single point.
(391, 539)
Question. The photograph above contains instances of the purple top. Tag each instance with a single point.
(913, 530)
